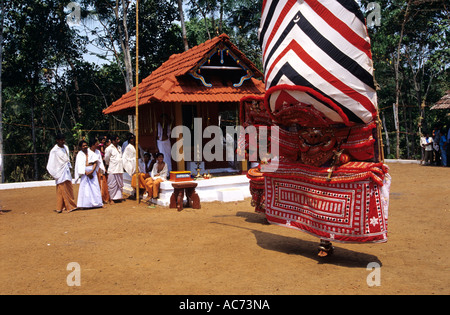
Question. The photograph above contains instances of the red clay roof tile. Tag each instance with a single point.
(169, 82)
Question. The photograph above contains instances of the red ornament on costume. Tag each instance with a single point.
(344, 158)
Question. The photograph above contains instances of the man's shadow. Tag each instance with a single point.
(297, 246)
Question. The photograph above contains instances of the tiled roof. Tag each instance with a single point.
(444, 102)
(170, 82)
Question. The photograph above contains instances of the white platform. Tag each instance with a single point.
(223, 188)
(401, 161)
(42, 183)
(230, 194)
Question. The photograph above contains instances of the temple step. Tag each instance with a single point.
(230, 194)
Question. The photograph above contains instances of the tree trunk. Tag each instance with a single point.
(397, 78)
(397, 96)
(205, 18)
(183, 26)
(213, 20)
(221, 18)
(125, 44)
(2, 161)
(408, 152)
(33, 127)
(77, 87)
(388, 145)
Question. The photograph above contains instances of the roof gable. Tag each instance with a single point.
(169, 78)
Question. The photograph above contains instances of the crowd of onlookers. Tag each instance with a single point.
(99, 166)
(435, 147)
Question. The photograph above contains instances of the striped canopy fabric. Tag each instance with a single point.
(317, 57)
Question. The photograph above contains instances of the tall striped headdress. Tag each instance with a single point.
(317, 58)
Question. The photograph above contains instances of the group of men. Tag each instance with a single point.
(436, 147)
(100, 166)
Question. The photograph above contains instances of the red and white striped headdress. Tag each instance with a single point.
(316, 55)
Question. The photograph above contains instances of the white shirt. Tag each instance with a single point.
(426, 143)
(100, 165)
(124, 145)
(161, 131)
(162, 174)
(113, 158)
(58, 164)
(80, 163)
(129, 159)
(142, 166)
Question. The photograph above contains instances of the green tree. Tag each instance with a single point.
(48, 87)
(159, 36)
(36, 38)
(411, 59)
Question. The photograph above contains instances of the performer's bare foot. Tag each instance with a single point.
(325, 248)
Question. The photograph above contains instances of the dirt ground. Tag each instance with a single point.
(222, 248)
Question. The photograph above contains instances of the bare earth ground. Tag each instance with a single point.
(222, 248)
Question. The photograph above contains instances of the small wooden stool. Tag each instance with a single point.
(179, 189)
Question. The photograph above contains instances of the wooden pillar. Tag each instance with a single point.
(244, 167)
(179, 122)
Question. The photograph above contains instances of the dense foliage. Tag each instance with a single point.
(49, 85)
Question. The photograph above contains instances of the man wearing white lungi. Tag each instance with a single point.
(129, 164)
(101, 169)
(59, 166)
(113, 158)
(86, 167)
(129, 157)
(163, 141)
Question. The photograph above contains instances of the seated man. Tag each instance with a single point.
(158, 174)
(144, 173)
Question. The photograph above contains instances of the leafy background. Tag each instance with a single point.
(50, 82)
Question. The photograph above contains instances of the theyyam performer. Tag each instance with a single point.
(330, 179)
(59, 166)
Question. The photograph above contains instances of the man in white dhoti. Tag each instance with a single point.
(129, 156)
(125, 143)
(113, 158)
(59, 166)
(95, 146)
(129, 165)
(163, 141)
(129, 160)
(86, 166)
